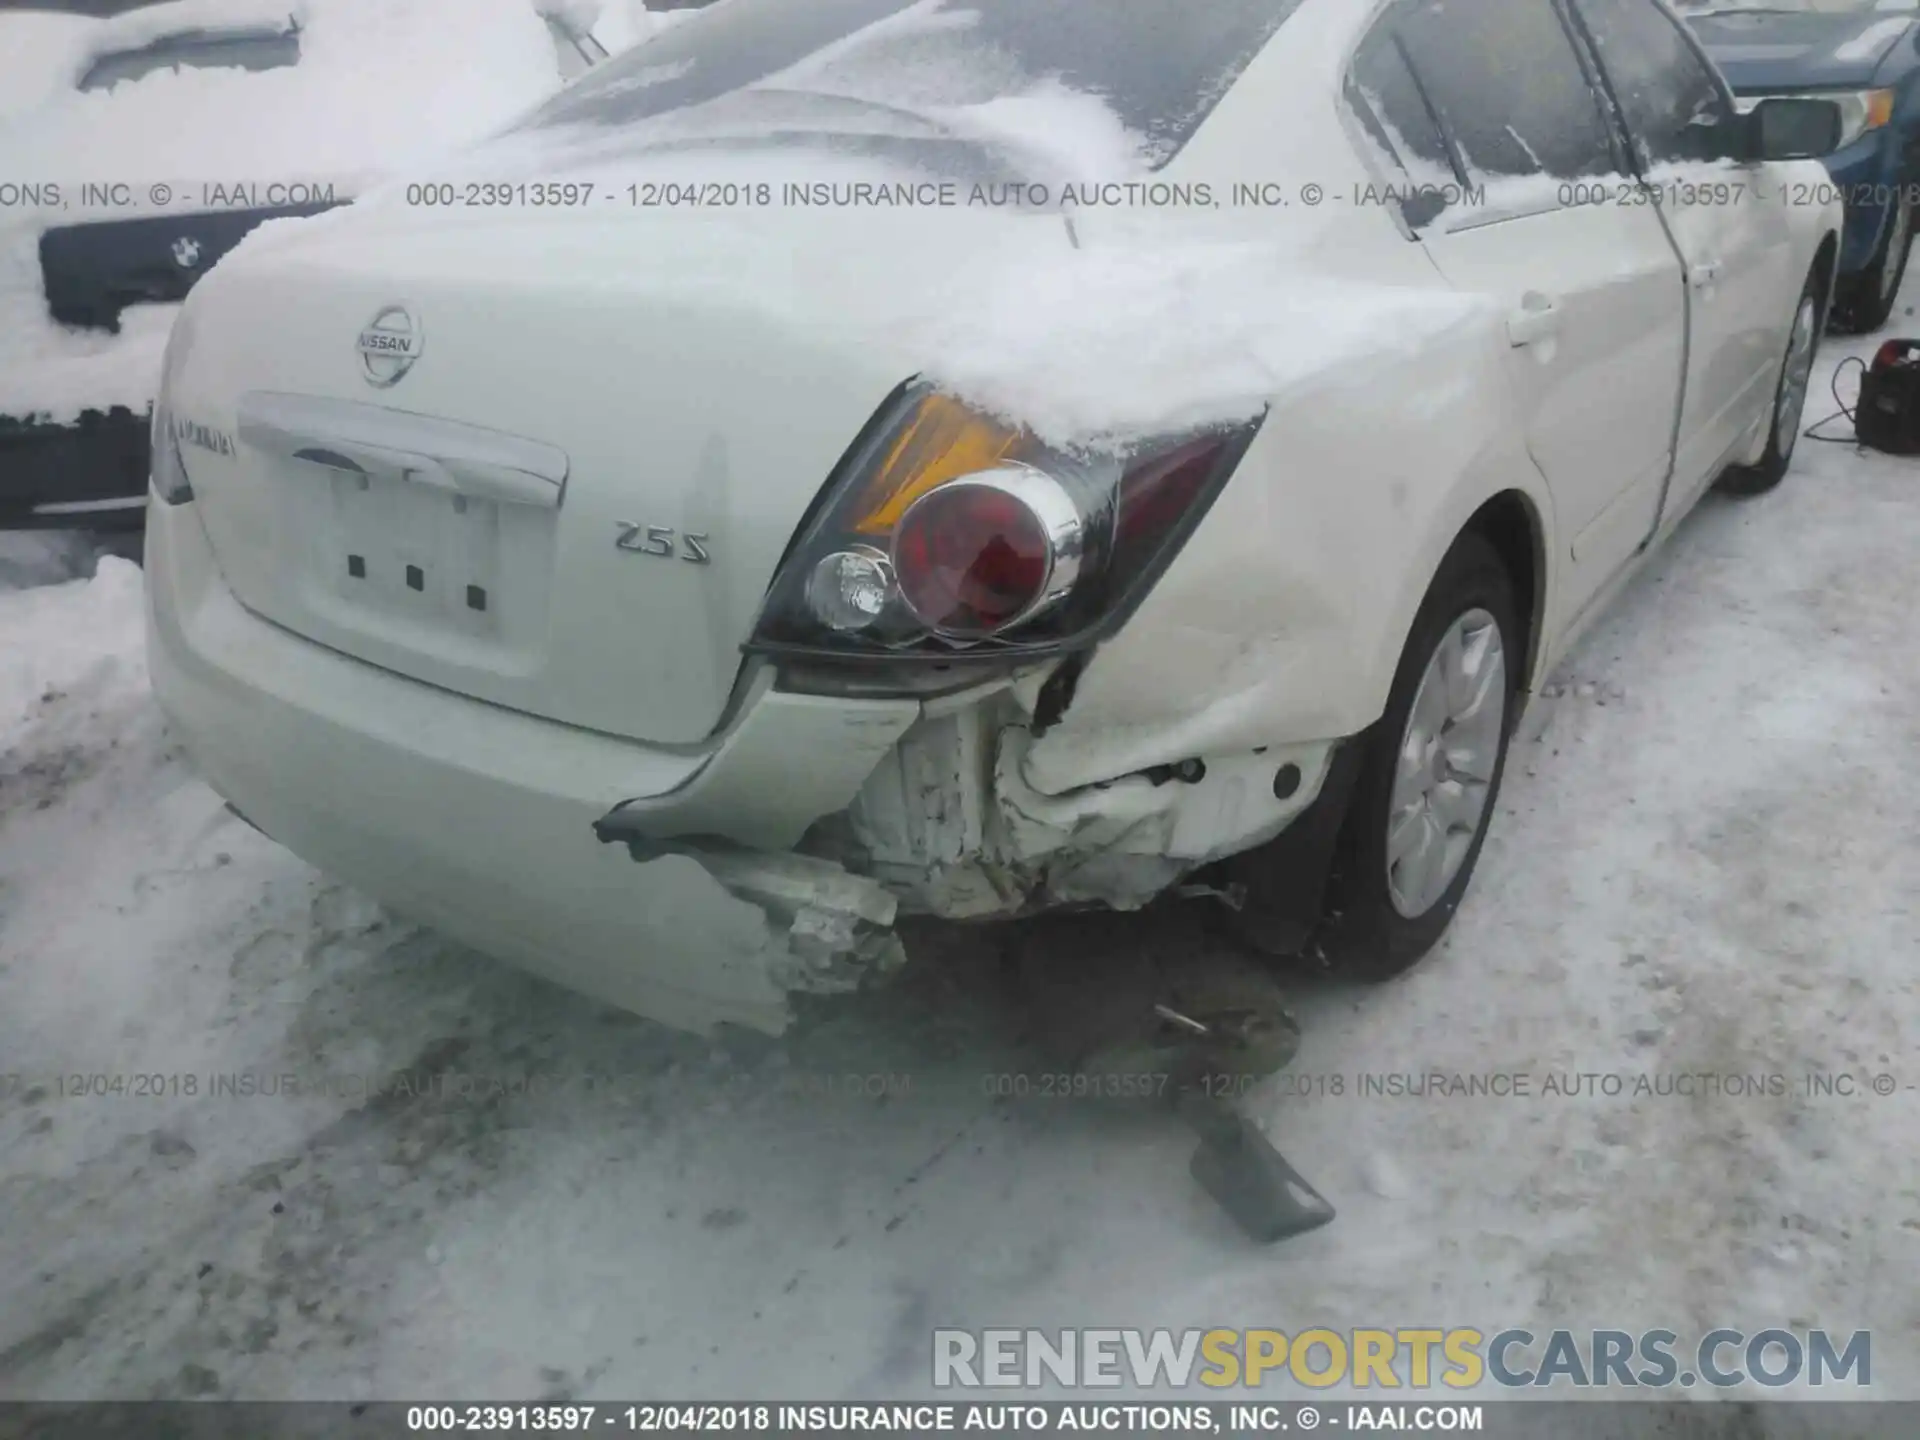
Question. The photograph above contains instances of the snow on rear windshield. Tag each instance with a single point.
(1159, 65)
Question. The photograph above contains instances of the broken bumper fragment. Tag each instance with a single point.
(837, 926)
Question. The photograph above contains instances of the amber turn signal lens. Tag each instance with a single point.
(941, 441)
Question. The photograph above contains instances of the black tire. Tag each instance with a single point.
(1758, 479)
(1864, 302)
(1365, 936)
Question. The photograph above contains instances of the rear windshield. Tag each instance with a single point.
(196, 50)
(1160, 65)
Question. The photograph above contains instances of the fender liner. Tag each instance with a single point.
(1284, 882)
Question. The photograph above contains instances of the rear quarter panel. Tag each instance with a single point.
(1283, 618)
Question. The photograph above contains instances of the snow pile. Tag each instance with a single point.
(378, 86)
(59, 636)
(1129, 336)
(53, 373)
(40, 54)
(139, 28)
(622, 24)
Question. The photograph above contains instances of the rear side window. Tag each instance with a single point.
(1668, 96)
(1388, 101)
(1507, 84)
(196, 50)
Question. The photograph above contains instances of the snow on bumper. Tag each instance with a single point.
(774, 862)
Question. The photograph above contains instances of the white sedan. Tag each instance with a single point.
(966, 456)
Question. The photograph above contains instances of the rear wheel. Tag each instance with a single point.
(1866, 301)
(1430, 772)
(1789, 401)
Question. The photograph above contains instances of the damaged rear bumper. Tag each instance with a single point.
(948, 822)
(774, 861)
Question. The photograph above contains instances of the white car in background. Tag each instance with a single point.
(807, 507)
(140, 141)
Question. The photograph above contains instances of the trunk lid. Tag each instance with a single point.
(587, 408)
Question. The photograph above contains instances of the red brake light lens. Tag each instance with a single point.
(971, 558)
(948, 535)
(1157, 491)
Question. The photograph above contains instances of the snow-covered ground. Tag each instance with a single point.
(1705, 864)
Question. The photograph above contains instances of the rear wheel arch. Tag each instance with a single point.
(1511, 524)
(1293, 883)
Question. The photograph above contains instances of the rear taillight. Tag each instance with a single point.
(165, 467)
(948, 535)
(169, 475)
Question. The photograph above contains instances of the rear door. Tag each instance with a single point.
(1729, 222)
(1593, 291)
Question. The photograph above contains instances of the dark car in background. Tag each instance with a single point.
(1865, 55)
(141, 140)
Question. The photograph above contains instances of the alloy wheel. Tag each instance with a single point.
(1796, 378)
(1448, 756)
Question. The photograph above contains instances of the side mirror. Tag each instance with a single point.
(1793, 129)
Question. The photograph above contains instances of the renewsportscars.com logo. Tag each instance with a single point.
(1413, 1359)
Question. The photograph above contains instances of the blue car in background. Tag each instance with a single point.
(1864, 54)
